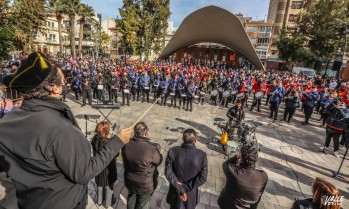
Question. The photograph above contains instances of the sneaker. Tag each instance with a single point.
(336, 154)
(323, 148)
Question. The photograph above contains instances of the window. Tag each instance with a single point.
(251, 29)
(52, 37)
(53, 24)
(263, 40)
(293, 18)
(48, 24)
(296, 5)
(265, 29)
(253, 40)
(262, 54)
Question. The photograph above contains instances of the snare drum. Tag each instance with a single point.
(240, 96)
(172, 94)
(233, 93)
(249, 88)
(196, 96)
(202, 93)
(258, 95)
(146, 87)
(183, 95)
(214, 93)
(126, 91)
(226, 94)
(220, 89)
(100, 87)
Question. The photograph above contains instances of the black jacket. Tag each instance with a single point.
(239, 192)
(338, 118)
(47, 156)
(188, 165)
(292, 102)
(141, 158)
(108, 175)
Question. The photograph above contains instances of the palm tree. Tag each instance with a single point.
(71, 7)
(85, 12)
(57, 8)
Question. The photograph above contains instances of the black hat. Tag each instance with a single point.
(30, 74)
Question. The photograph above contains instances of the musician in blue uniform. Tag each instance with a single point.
(311, 99)
(172, 91)
(144, 83)
(164, 90)
(277, 93)
(181, 93)
(190, 91)
(156, 87)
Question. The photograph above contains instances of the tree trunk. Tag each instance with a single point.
(59, 20)
(81, 32)
(72, 35)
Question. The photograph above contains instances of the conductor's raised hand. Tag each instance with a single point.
(125, 134)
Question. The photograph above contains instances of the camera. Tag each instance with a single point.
(235, 136)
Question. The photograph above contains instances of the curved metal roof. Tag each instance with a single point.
(216, 25)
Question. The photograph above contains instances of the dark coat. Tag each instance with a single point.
(338, 118)
(188, 165)
(239, 192)
(109, 175)
(141, 158)
(51, 163)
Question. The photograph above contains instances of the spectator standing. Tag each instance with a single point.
(106, 178)
(141, 159)
(186, 170)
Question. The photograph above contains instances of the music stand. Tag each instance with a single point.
(336, 174)
(107, 105)
(87, 117)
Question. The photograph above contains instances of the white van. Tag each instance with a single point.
(307, 71)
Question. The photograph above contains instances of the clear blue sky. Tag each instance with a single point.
(182, 8)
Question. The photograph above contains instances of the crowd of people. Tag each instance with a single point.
(55, 164)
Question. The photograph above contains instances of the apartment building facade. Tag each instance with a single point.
(260, 34)
(48, 41)
(283, 14)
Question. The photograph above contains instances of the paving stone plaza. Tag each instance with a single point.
(288, 153)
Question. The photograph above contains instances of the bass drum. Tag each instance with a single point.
(226, 94)
(240, 96)
(258, 95)
(214, 93)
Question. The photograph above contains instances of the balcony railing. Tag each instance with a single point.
(264, 34)
(262, 56)
(265, 45)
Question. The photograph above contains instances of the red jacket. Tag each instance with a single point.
(344, 97)
(269, 88)
(262, 87)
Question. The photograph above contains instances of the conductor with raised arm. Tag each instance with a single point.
(43, 149)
